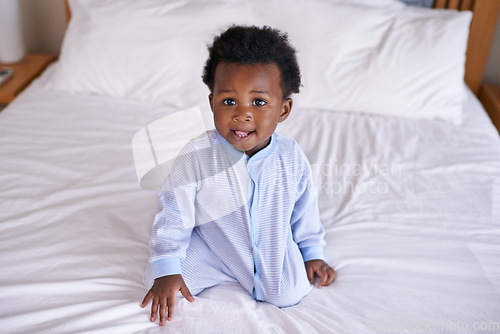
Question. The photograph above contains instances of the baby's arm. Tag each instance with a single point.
(307, 230)
(164, 295)
(171, 237)
(169, 241)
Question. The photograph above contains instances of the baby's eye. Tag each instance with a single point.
(258, 102)
(229, 102)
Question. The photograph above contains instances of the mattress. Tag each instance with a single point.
(411, 210)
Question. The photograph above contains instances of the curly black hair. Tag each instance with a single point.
(248, 45)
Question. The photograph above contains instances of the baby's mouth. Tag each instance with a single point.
(242, 134)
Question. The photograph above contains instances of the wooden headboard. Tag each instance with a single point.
(481, 33)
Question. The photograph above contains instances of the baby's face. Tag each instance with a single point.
(248, 104)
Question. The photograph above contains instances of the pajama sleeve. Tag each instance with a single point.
(307, 230)
(175, 219)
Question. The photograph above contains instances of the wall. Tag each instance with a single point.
(44, 22)
(492, 73)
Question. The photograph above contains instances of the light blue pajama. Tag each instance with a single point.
(226, 217)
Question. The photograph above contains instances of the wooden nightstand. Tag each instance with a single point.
(24, 72)
(490, 98)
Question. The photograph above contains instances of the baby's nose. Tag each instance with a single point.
(243, 115)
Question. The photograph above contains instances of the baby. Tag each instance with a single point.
(239, 204)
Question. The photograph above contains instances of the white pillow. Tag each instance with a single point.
(151, 50)
(402, 61)
(397, 60)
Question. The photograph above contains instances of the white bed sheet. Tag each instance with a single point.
(420, 252)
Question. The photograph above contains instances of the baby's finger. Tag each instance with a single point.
(329, 276)
(147, 298)
(186, 293)
(154, 308)
(171, 306)
(163, 311)
(321, 272)
(310, 274)
(332, 275)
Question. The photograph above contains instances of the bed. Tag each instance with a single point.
(409, 191)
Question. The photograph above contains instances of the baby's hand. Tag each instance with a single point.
(164, 294)
(319, 267)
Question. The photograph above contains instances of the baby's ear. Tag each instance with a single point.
(286, 108)
(210, 99)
